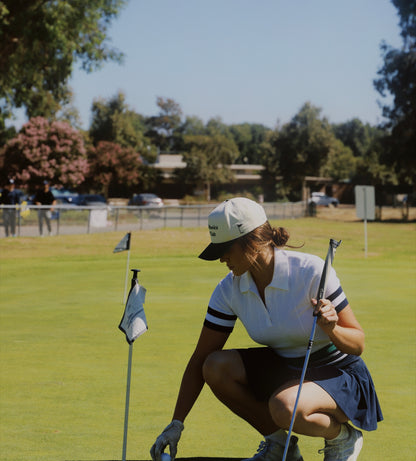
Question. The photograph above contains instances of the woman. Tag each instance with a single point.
(272, 290)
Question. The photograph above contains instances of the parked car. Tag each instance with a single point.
(321, 199)
(147, 199)
(64, 196)
(91, 200)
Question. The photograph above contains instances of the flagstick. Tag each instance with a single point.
(127, 275)
(126, 412)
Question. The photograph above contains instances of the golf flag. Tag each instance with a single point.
(134, 323)
(124, 244)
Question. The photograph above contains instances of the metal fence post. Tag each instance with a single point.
(116, 219)
(18, 223)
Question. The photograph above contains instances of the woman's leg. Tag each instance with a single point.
(317, 414)
(225, 374)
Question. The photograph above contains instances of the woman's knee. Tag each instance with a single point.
(281, 405)
(220, 365)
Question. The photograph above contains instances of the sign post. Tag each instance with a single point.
(365, 205)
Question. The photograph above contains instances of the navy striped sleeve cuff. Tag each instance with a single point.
(219, 320)
(216, 327)
(341, 305)
(339, 299)
(335, 294)
(221, 315)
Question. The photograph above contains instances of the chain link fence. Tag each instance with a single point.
(66, 220)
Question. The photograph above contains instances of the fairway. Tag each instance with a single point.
(64, 361)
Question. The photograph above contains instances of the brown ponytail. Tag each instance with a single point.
(280, 236)
(264, 236)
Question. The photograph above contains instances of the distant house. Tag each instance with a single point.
(245, 175)
(167, 164)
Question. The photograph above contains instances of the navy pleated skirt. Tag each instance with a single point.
(348, 382)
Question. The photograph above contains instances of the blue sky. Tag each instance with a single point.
(253, 61)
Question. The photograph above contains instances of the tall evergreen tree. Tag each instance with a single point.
(397, 78)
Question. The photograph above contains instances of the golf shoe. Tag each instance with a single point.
(270, 450)
(345, 449)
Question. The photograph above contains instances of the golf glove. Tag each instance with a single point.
(170, 436)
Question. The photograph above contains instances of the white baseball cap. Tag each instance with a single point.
(229, 221)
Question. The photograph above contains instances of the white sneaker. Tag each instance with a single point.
(272, 451)
(346, 449)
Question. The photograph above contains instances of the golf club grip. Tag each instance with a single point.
(333, 245)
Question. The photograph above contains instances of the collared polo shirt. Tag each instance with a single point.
(284, 321)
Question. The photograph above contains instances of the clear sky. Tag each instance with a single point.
(255, 61)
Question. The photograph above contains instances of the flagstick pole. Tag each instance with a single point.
(134, 282)
(127, 275)
(126, 412)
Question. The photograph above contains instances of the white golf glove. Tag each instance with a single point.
(170, 436)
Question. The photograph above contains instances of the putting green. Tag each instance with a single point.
(64, 361)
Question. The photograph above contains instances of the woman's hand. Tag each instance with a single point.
(327, 315)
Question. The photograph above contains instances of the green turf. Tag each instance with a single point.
(63, 360)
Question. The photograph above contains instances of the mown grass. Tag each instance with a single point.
(63, 360)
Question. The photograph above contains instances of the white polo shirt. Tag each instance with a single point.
(284, 321)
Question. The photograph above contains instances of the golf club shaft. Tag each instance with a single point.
(333, 244)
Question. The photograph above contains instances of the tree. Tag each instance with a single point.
(162, 127)
(215, 126)
(249, 138)
(301, 148)
(367, 144)
(114, 121)
(39, 43)
(357, 136)
(113, 168)
(398, 78)
(206, 160)
(44, 150)
(369, 168)
(6, 133)
(242, 137)
(191, 126)
(340, 163)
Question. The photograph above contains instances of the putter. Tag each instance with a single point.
(333, 245)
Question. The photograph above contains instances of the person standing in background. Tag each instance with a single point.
(45, 197)
(9, 196)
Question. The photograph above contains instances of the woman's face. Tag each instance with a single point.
(236, 260)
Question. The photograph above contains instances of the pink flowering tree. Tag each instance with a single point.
(45, 150)
(113, 169)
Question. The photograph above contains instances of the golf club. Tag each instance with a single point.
(333, 245)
